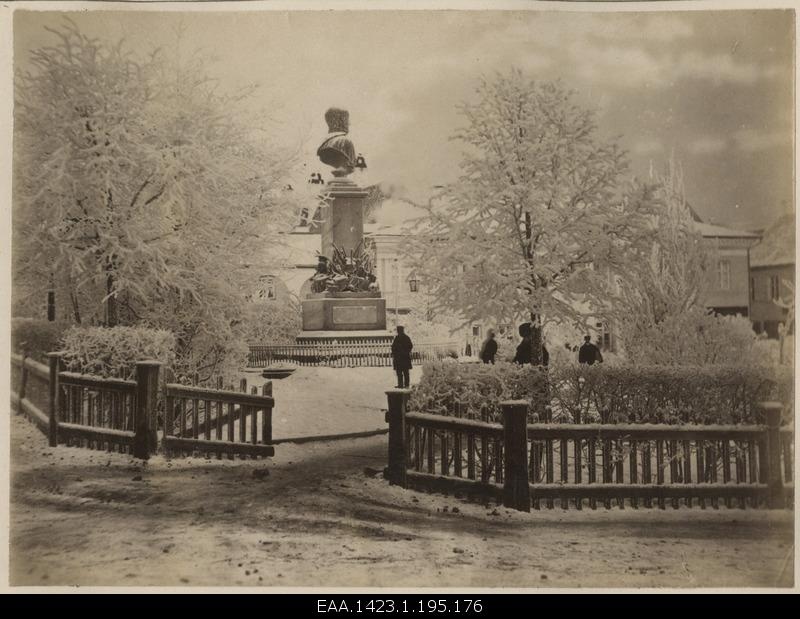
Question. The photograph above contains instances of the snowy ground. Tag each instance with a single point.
(318, 515)
(320, 401)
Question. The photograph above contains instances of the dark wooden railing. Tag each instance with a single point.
(95, 412)
(115, 414)
(548, 464)
(217, 420)
(32, 397)
(88, 411)
(355, 354)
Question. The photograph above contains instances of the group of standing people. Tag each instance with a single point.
(524, 353)
(402, 346)
(588, 354)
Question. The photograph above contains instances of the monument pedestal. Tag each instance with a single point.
(343, 223)
(344, 314)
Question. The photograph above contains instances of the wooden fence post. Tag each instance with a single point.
(145, 440)
(266, 415)
(54, 360)
(396, 471)
(516, 491)
(772, 414)
(23, 377)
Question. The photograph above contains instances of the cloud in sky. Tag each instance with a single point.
(706, 145)
(647, 146)
(689, 82)
(752, 140)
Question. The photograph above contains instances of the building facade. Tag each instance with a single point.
(770, 296)
(728, 287)
(772, 278)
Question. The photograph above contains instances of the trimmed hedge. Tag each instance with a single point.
(474, 390)
(114, 351)
(600, 393)
(36, 337)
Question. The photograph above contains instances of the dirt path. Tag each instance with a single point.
(317, 518)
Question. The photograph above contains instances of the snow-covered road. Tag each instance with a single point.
(321, 517)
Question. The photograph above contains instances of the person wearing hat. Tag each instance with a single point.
(401, 358)
(589, 353)
(489, 348)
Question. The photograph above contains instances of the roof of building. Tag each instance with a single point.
(777, 245)
(715, 231)
(296, 249)
(386, 229)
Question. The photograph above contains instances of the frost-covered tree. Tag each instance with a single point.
(541, 208)
(142, 187)
(667, 276)
(660, 307)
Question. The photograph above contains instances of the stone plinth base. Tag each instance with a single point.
(345, 337)
(337, 314)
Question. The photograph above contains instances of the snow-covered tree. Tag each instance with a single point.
(541, 208)
(667, 276)
(660, 307)
(141, 187)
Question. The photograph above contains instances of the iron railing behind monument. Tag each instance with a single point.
(349, 354)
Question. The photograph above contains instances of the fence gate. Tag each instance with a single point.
(218, 421)
(123, 415)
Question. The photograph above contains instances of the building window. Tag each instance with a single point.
(774, 288)
(413, 283)
(604, 338)
(724, 274)
(476, 330)
(752, 289)
(266, 288)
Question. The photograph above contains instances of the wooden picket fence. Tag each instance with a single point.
(350, 354)
(122, 415)
(32, 396)
(207, 420)
(637, 465)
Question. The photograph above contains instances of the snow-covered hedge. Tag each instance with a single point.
(473, 390)
(114, 351)
(36, 337)
(674, 394)
(600, 393)
(695, 336)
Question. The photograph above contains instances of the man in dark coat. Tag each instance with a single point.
(523, 355)
(524, 351)
(401, 357)
(589, 353)
(489, 348)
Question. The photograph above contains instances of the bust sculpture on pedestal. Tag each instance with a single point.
(337, 150)
(344, 291)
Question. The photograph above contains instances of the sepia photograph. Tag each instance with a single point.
(480, 297)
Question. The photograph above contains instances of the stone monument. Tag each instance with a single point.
(345, 301)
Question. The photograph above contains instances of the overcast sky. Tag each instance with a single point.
(714, 87)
